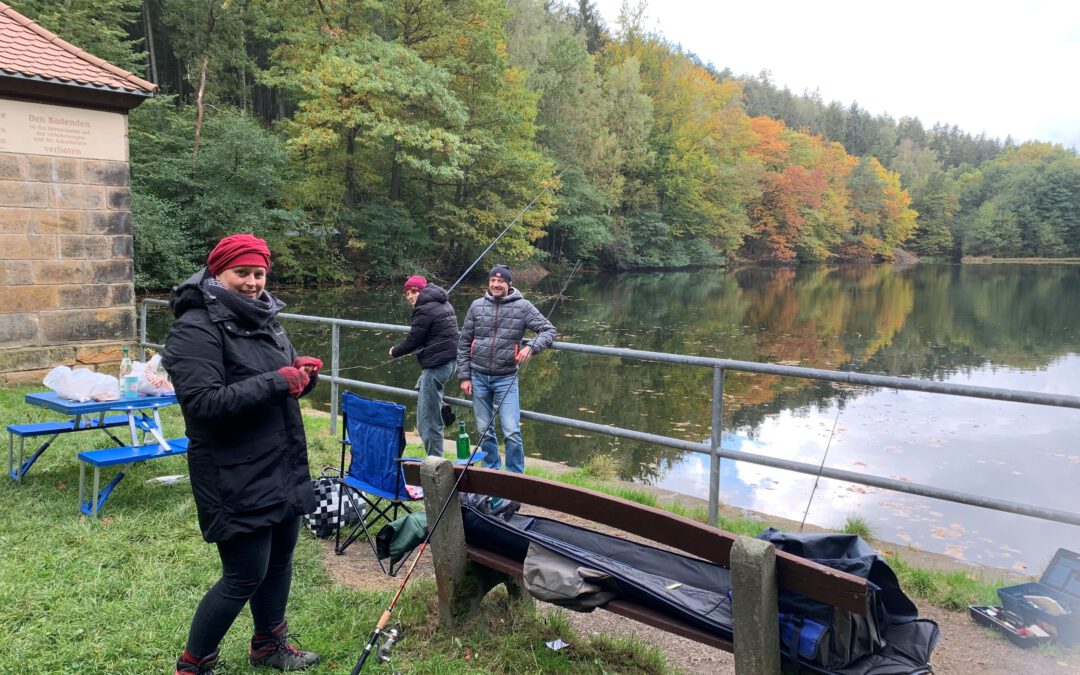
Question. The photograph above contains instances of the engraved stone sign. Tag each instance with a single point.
(60, 131)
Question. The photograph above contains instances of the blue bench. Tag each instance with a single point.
(51, 429)
(126, 456)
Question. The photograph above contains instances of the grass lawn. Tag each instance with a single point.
(116, 594)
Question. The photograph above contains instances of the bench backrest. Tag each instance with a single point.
(819, 582)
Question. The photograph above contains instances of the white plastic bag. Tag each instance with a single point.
(152, 380)
(82, 384)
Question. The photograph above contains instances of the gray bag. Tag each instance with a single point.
(561, 581)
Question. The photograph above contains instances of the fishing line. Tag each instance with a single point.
(832, 433)
(821, 468)
(445, 340)
(378, 632)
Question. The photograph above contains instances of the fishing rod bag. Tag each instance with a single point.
(699, 593)
(889, 638)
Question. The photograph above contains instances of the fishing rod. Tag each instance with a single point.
(392, 635)
(496, 239)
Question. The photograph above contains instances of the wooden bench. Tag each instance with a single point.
(793, 573)
(53, 430)
(125, 455)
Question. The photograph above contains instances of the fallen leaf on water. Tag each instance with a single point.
(954, 551)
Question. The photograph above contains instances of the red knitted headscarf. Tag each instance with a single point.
(237, 250)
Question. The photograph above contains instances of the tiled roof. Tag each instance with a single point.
(29, 50)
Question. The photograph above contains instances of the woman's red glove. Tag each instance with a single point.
(296, 378)
(308, 364)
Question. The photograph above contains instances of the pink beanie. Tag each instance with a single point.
(415, 281)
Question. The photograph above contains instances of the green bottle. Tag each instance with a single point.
(463, 443)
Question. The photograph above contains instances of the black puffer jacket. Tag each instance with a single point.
(247, 453)
(434, 329)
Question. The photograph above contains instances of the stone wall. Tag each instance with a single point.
(66, 292)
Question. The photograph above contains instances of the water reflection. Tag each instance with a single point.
(1000, 326)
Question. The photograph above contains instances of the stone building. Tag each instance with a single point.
(66, 292)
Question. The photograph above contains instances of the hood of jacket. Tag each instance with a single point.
(432, 293)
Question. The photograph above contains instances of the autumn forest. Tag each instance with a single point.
(369, 138)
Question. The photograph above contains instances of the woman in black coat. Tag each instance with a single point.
(237, 379)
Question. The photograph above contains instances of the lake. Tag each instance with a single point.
(1005, 326)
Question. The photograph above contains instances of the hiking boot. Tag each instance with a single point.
(448, 416)
(277, 652)
(189, 665)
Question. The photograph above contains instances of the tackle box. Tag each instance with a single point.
(1060, 583)
(992, 617)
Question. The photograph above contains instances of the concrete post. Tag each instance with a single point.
(448, 540)
(754, 609)
(461, 584)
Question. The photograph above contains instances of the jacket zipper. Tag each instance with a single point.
(494, 341)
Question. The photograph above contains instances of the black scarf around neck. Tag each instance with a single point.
(256, 313)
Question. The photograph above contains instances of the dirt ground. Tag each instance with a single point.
(964, 648)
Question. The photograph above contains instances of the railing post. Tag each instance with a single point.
(717, 432)
(754, 612)
(335, 348)
(142, 331)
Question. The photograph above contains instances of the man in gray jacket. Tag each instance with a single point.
(490, 351)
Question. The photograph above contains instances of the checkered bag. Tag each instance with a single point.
(323, 521)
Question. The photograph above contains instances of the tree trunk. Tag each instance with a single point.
(395, 175)
(199, 103)
(148, 29)
(350, 169)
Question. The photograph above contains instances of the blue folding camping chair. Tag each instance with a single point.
(374, 434)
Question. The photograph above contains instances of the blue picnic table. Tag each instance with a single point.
(139, 415)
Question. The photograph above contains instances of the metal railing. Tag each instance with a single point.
(714, 450)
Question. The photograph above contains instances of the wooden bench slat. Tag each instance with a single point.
(800, 575)
(128, 453)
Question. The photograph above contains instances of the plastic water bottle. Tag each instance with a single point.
(463, 443)
(129, 384)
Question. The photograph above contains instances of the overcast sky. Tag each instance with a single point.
(1000, 68)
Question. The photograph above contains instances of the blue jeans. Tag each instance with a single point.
(429, 406)
(491, 392)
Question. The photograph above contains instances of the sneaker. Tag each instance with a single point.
(448, 416)
(278, 653)
(204, 666)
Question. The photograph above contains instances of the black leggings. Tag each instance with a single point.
(255, 568)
